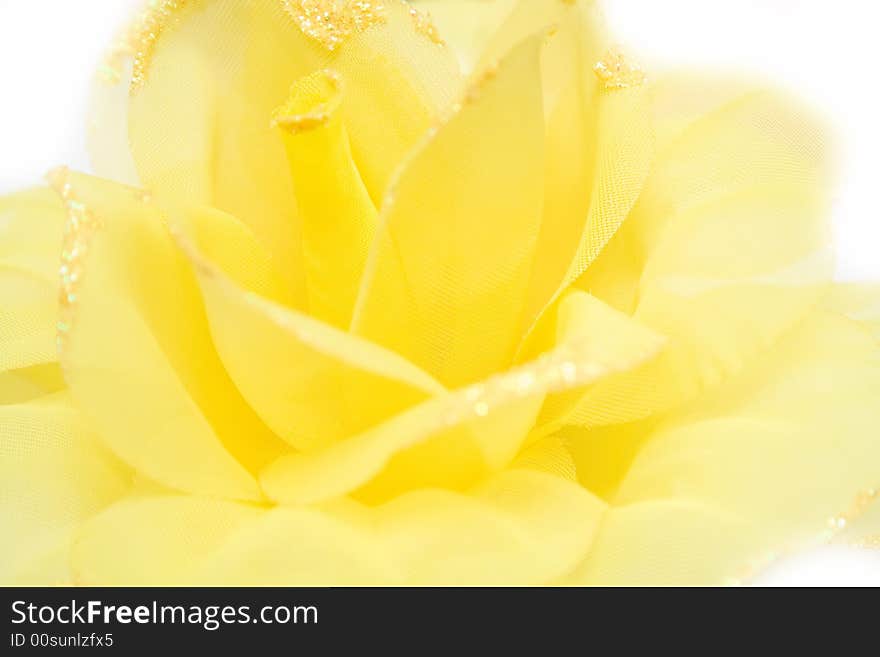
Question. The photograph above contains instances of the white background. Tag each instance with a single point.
(826, 50)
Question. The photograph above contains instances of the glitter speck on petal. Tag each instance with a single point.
(425, 26)
(616, 71)
(311, 104)
(78, 232)
(857, 508)
(331, 22)
(111, 69)
(145, 33)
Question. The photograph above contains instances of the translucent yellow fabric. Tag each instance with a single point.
(31, 225)
(337, 214)
(381, 300)
(55, 476)
(741, 462)
(141, 335)
(726, 248)
(430, 279)
(311, 382)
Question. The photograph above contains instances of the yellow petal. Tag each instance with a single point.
(338, 217)
(199, 117)
(444, 442)
(726, 249)
(783, 451)
(31, 226)
(615, 176)
(592, 137)
(571, 151)
(312, 383)
(398, 82)
(138, 355)
(53, 476)
(550, 455)
(27, 383)
(603, 455)
(616, 342)
(683, 99)
(858, 301)
(523, 527)
(467, 27)
(165, 539)
(480, 33)
(663, 543)
(107, 129)
(600, 147)
(454, 439)
(233, 249)
(209, 75)
(515, 21)
(28, 316)
(446, 281)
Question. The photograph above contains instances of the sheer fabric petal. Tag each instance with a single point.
(199, 121)
(30, 244)
(390, 303)
(336, 212)
(514, 528)
(769, 462)
(139, 358)
(447, 276)
(54, 476)
(312, 383)
(454, 439)
(726, 249)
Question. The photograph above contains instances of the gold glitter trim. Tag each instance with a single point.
(156, 18)
(479, 82)
(332, 22)
(856, 509)
(568, 366)
(869, 542)
(836, 524)
(617, 72)
(113, 66)
(424, 25)
(313, 100)
(297, 123)
(78, 231)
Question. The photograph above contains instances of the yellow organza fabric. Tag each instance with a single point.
(378, 300)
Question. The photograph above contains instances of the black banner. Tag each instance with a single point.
(328, 621)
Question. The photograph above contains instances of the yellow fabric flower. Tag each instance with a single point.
(474, 301)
